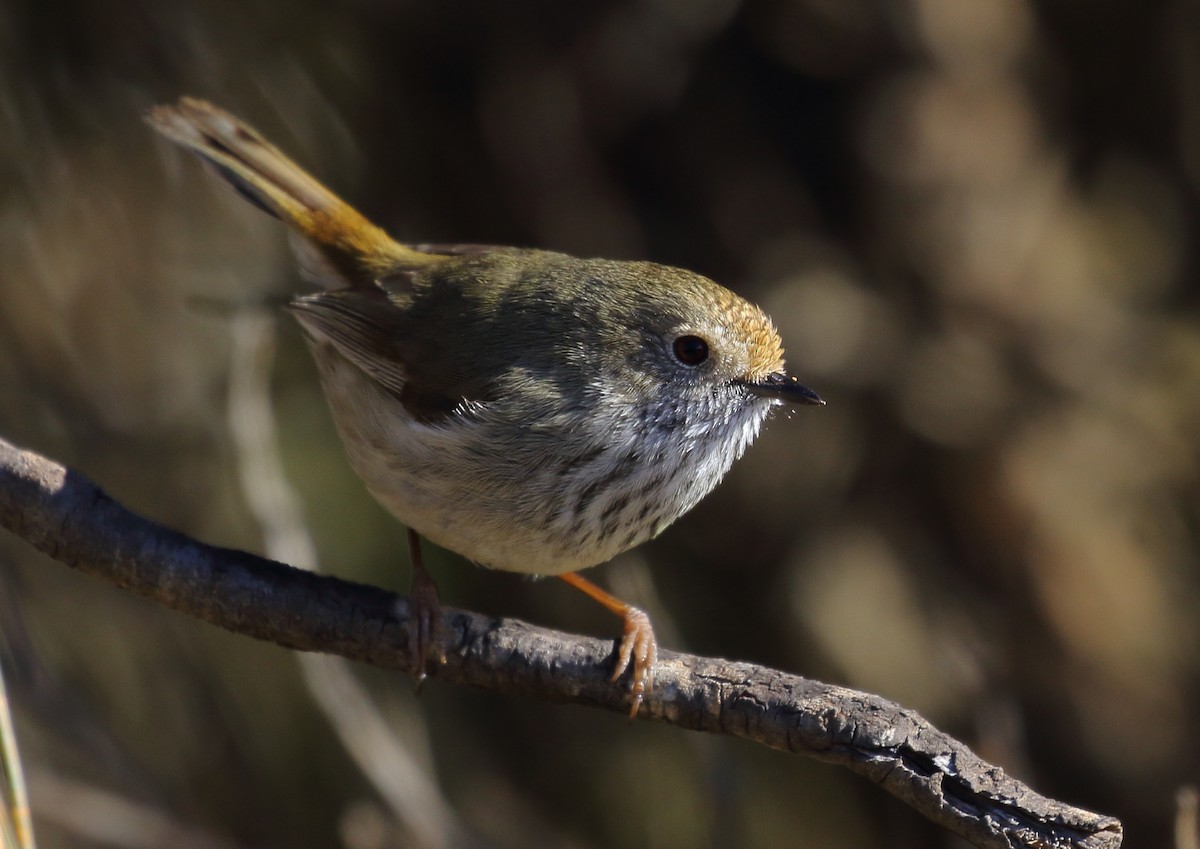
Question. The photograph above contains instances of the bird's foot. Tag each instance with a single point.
(426, 631)
(639, 647)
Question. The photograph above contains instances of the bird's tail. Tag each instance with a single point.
(338, 246)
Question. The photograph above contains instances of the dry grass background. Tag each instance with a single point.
(975, 224)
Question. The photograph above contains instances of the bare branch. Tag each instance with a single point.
(16, 827)
(103, 818)
(383, 757)
(69, 518)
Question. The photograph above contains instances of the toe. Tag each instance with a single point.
(426, 632)
(639, 647)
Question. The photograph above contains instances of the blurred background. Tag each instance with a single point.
(974, 224)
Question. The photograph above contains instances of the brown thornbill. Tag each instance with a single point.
(532, 411)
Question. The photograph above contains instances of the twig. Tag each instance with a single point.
(1187, 820)
(69, 518)
(14, 797)
(101, 817)
(384, 759)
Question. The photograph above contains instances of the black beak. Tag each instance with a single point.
(781, 387)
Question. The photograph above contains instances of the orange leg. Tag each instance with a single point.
(425, 630)
(637, 643)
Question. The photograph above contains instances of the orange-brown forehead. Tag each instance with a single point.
(751, 325)
(766, 349)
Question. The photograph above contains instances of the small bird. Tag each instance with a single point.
(532, 411)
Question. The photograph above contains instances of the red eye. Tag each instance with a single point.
(691, 350)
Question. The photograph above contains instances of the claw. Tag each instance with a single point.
(639, 645)
(426, 631)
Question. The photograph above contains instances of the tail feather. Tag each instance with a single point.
(335, 238)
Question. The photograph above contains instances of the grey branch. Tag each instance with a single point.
(68, 517)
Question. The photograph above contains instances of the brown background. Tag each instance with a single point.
(974, 223)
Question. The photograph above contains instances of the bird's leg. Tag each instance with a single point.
(425, 630)
(638, 643)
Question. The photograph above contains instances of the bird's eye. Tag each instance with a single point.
(691, 350)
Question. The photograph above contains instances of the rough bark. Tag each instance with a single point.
(72, 520)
